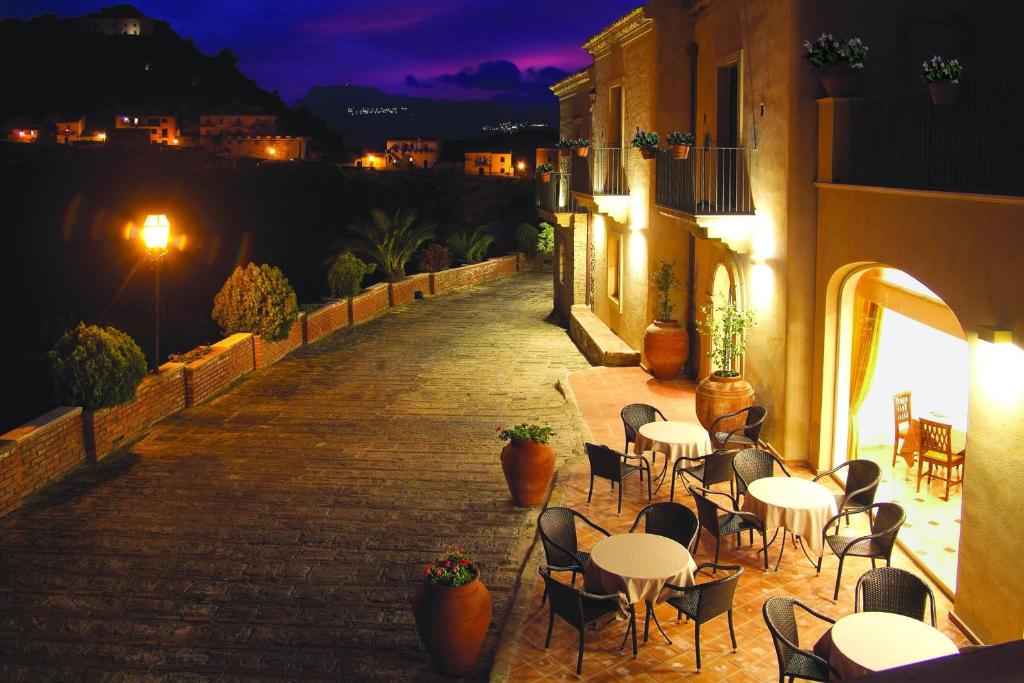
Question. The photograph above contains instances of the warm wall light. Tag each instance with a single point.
(156, 232)
(271, 151)
(995, 335)
(101, 136)
(521, 165)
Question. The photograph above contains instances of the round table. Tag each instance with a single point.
(800, 506)
(675, 439)
(637, 566)
(865, 642)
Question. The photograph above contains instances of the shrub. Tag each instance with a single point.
(829, 51)
(645, 138)
(526, 239)
(527, 432)
(346, 273)
(546, 238)
(96, 367)
(389, 240)
(256, 299)
(677, 138)
(434, 258)
(469, 246)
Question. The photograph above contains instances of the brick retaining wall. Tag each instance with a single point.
(405, 290)
(230, 359)
(326, 319)
(371, 302)
(39, 452)
(266, 353)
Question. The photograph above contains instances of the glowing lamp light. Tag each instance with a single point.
(156, 232)
(271, 151)
(995, 335)
(174, 141)
(101, 136)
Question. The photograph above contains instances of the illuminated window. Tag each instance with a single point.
(614, 259)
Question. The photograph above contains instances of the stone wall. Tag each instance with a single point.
(371, 302)
(39, 452)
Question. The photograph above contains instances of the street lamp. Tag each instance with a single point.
(155, 233)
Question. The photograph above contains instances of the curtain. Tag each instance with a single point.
(867, 328)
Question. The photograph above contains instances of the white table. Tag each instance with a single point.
(674, 439)
(800, 506)
(865, 642)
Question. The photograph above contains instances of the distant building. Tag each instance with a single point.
(489, 163)
(71, 131)
(120, 20)
(163, 128)
(270, 147)
(236, 125)
(409, 153)
(22, 134)
(546, 155)
(374, 160)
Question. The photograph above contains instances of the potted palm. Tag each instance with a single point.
(646, 142)
(666, 342)
(724, 390)
(544, 172)
(581, 146)
(565, 146)
(527, 461)
(453, 611)
(839, 63)
(680, 144)
(943, 76)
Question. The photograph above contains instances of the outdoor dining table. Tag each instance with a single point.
(637, 567)
(865, 642)
(912, 442)
(800, 506)
(674, 439)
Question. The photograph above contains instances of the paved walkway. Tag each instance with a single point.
(278, 532)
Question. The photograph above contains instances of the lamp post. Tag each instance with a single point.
(155, 233)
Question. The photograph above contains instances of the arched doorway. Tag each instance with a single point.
(893, 339)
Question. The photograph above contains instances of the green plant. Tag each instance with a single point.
(434, 258)
(726, 327)
(96, 367)
(677, 138)
(526, 239)
(469, 246)
(665, 280)
(565, 143)
(454, 569)
(941, 69)
(256, 299)
(345, 274)
(827, 51)
(388, 240)
(581, 142)
(645, 138)
(546, 238)
(545, 168)
(527, 432)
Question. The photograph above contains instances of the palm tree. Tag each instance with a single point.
(470, 246)
(387, 240)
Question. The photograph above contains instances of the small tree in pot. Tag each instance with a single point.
(528, 462)
(724, 391)
(666, 342)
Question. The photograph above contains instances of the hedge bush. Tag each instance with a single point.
(526, 239)
(546, 238)
(96, 367)
(434, 258)
(256, 299)
(345, 276)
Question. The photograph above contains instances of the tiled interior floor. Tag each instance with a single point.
(601, 393)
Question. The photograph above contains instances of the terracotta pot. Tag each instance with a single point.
(666, 348)
(564, 151)
(680, 151)
(717, 396)
(943, 92)
(840, 82)
(648, 152)
(452, 623)
(545, 177)
(582, 151)
(528, 467)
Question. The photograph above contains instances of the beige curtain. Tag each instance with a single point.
(867, 328)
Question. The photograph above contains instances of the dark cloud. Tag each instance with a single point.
(499, 75)
(413, 82)
(504, 79)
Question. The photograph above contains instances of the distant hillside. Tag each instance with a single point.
(52, 69)
(367, 116)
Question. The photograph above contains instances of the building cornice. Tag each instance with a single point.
(617, 32)
(571, 82)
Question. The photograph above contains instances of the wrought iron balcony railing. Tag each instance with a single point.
(602, 171)
(710, 181)
(555, 195)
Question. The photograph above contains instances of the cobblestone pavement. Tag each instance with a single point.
(278, 532)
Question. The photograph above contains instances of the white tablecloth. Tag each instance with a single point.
(800, 505)
(637, 567)
(865, 642)
(676, 439)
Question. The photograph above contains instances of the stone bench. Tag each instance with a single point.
(597, 342)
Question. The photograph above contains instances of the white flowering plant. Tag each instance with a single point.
(828, 51)
(939, 69)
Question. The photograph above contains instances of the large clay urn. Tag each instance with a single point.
(528, 467)
(718, 395)
(666, 348)
(452, 623)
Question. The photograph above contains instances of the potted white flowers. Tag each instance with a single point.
(943, 77)
(839, 63)
(680, 144)
(646, 142)
(544, 172)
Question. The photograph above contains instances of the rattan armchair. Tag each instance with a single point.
(634, 416)
(885, 524)
(890, 589)
(720, 521)
(578, 608)
(671, 520)
(794, 661)
(609, 464)
(557, 529)
(714, 468)
(747, 435)
(705, 601)
(862, 480)
(752, 464)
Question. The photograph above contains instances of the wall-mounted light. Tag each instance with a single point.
(995, 335)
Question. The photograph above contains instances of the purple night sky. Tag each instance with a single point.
(457, 49)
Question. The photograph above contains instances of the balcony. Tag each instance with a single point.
(602, 172)
(972, 145)
(712, 181)
(554, 197)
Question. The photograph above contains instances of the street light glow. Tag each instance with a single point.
(156, 232)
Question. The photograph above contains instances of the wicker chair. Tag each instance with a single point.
(578, 608)
(721, 521)
(746, 436)
(671, 520)
(937, 451)
(714, 468)
(794, 661)
(901, 415)
(705, 601)
(557, 529)
(862, 480)
(752, 464)
(634, 416)
(890, 589)
(885, 524)
(609, 464)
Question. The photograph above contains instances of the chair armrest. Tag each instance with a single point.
(594, 526)
(843, 513)
(750, 517)
(553, 568)
(862, 489)
(734, 501)
(682, 460)
(781, 465)
(724, 417)
(833, 673)
(645, 461)
(815, 612)
(660, 414)
(831, 471)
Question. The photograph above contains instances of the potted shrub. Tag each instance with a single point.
(581, 146)
(680, 144)
(666, 342)
(942, 76)
(528, 462)
(565, 146)
(434, 258)
(646, 142)
(839, 63)
(96, 367)
(452, 607)
(544, 172)
(724, 390)
(257, 299)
